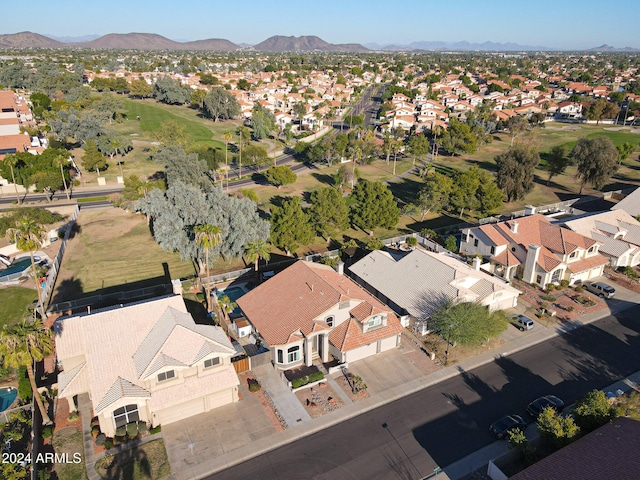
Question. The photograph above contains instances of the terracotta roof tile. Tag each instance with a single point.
(506, 258)
(587, 263)
(349, 335)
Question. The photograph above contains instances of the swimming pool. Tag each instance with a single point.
(234, 293)
(17, 266)
(7, 397)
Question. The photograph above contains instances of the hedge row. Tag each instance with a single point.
(302, 381)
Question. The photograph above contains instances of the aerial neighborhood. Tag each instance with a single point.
(225, 260)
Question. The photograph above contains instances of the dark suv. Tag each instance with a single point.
(536, 407)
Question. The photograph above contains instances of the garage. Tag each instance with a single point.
(180, 411)
(388, 343)
(361, 352)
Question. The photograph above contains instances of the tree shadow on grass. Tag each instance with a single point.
(406, 190)
(323, 178)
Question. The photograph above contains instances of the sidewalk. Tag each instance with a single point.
(291, 409)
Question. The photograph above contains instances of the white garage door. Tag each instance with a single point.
(361, 352)
(388, 343)
(218, 399)
(180, 411)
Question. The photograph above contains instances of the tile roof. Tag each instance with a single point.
(73, 382)
(120, 343)
(419, 281)
(349, 335)
(610, 451)
(506, 258)
(291, 304)
(588, 263)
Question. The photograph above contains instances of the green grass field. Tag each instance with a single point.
(14, 301)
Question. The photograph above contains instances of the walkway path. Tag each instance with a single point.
(285, 401)
(84, 407)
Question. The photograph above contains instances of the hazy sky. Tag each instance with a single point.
(564, 24)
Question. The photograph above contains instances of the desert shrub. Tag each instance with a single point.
(95, 430)
(121, 431)
(316, 376)
(548, 298)
(254, 385)
(579, 288)
(73, 416)
(100, 439)
(570, 308)
(47, 431)
(559, 287)
(628, 271)
(412, 241)
(564, 283)
(132, 429)
(108, 443)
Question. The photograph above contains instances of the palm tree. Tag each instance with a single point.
(258, 250)
(207, 237)
(28, 236)
(227, 138)
(243, 132)
(24, 344)
(12, 161)
(60, 160)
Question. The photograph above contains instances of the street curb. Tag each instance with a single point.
(402, 391)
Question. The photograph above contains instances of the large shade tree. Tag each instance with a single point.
(22, 345)
(373, 206)
(596, 161)
(174, 213)
(515, 171)
(290, 225)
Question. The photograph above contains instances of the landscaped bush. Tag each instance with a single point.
(299, 382)
(570, 308)
(412, 241)
(559, 287)
(73, 416)
(100, 439)
(95, 430)
(155, 430)
(47, 431)
(316, 376)
(254, 385)
(548, 298)
(579, 288)
(142, 428)
(564, 283)
(108, 443)
(132, 429)
(24, 385)
(628, 271)
(121, 431)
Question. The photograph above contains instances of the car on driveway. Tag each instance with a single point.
(501, 427)
(536, 407)
(600, 289)
(523, 322)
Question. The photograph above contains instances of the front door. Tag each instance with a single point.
(319, 345)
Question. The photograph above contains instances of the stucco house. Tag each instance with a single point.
(146, 361)
(536, 250)
(309, 311)
(618, 232)
(416, 283)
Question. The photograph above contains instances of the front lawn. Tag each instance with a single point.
(148, 461)
(69, 441)
(14, 301)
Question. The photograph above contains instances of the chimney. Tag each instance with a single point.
(476, 263)
(533, 253)
(177, 286)
(514, 226)
(529, 210)
(340, 267)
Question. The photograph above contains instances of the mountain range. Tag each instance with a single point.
(277, 43)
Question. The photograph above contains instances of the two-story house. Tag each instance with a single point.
(310, 311)
(146, 361)
(532, 248)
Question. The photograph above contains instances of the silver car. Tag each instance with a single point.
(600, 289)
(523, 322)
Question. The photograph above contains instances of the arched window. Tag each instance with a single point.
(125, 415)
(329, 320)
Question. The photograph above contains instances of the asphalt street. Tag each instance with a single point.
(408, 438)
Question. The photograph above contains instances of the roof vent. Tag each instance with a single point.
(514, 226)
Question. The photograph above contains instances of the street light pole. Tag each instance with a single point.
(446, 353)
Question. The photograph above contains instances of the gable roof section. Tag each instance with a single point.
(349, 335)
(121, 388)
(630, 203)
(73, 382)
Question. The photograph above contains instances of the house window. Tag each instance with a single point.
(556, 276)
(329, 320)
(211, 362)
(166, 375)
(125, 415)
(493, 250)
(280, 356)
(573, 255)
(374, 321)
(513, 249)
(293, 354)
(539, 279)
(591, 249)
(475, 242)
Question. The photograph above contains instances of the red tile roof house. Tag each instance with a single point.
(310, 311)
(532, 247)
(146, 361)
